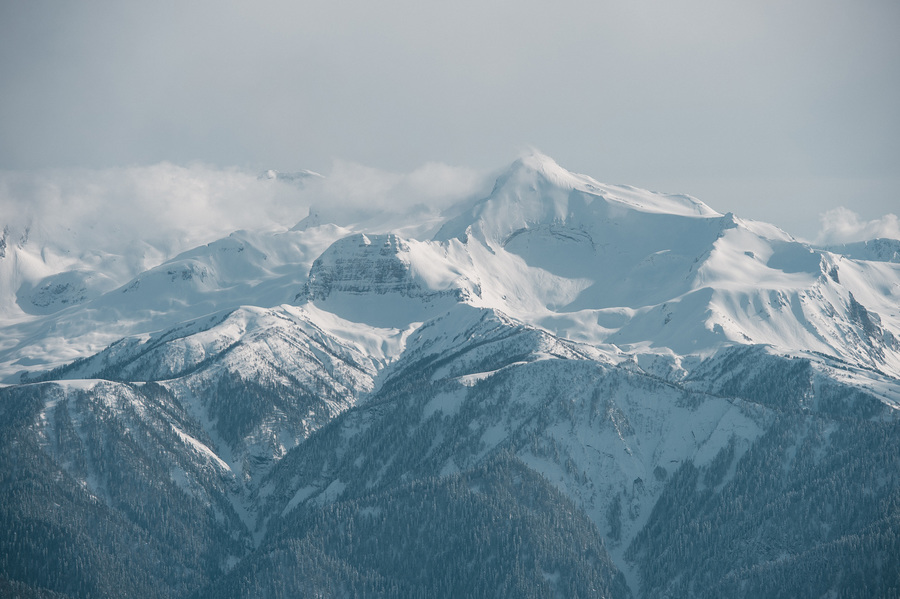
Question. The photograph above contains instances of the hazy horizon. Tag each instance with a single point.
(784, 113)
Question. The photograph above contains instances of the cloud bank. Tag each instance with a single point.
(147, 214)
(842, 225)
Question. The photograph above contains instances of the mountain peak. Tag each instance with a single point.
(536, 191)
(540, 162)
(535, 173)
(313, 219)
(532, 166)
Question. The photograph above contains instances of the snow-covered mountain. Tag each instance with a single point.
(589, 262)
(639, 358)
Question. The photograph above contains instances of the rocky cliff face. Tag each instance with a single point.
(374, 265)
(361, 264)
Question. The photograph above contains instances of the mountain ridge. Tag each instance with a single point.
(604, 365)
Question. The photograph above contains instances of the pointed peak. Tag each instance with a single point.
(533, 165)
(312, 220)
(537, 161)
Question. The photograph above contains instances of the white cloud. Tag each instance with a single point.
(353, 191)
(842, 225)
(132, 218)
(167, 206)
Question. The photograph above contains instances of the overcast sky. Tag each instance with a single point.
(774, 110)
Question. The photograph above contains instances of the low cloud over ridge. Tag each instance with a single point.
(152, 213)
(842, 225)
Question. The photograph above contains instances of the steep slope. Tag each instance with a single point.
(247, 268)
(809, 511)
(875, 250)
(606, 264)
(602, 433)
(611, 437)
(260, 381)
(387, 281)
(497, 531)
(111, 489)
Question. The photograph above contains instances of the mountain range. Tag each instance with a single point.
(562, 388)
